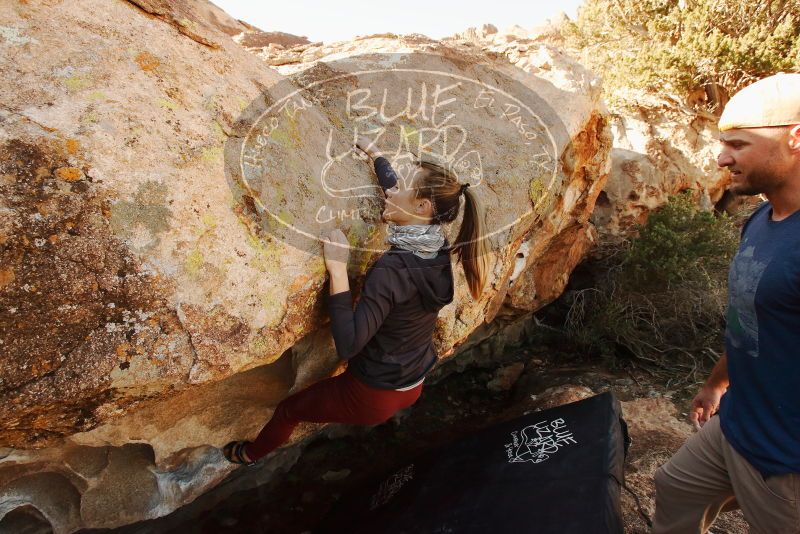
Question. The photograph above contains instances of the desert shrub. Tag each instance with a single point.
(680, 245)
(660, 297)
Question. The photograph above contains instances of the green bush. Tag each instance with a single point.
(661, 296)
(682, 245)
(684, 45)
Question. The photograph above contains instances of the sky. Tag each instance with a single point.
(321, 20)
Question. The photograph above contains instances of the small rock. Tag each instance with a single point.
(505, 377)
(333, 476)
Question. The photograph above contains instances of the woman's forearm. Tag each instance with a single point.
(352, 329)
(387, 177)
(374, 153)
(368, 147)
(339, 282)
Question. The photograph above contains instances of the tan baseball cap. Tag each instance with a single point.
(771, 101)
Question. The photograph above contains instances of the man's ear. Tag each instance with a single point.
(794, 138)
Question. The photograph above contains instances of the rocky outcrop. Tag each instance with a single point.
(252, 40)
(661, 148)
(661, 145)
(151, 307)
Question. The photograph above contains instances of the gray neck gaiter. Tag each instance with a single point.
(424, 240)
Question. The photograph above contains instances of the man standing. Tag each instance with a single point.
(748, 456)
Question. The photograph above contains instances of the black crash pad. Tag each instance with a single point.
(551, 472)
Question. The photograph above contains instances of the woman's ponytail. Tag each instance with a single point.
(471, 248)
(444, 191)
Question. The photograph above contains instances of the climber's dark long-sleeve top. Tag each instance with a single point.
(388, 338)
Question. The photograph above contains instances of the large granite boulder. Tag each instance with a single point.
(154, 302)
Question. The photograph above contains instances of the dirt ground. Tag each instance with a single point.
(459, 404)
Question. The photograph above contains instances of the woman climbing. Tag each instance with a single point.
(388, 339)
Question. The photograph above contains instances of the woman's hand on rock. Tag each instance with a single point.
(336, 251)
(367, 145)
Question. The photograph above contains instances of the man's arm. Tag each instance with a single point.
(706, 403)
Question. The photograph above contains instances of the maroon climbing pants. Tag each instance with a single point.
(340, 399)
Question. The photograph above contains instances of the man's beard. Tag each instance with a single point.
(756, 183)
(745, 190)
